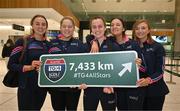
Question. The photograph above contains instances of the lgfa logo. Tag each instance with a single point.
(55, 69)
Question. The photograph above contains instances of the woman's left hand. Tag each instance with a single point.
(82, 86)
(94, 47)
(143, 82)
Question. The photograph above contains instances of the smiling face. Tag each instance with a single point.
(67, 28)
(141, 31)
(39, 26)
(98, 28)
(117, 27)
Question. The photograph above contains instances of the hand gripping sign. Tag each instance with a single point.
(105, 69)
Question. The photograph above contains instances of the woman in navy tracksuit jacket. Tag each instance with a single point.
(154, 55)
(94, 95)
(66, 98)
(30, 95)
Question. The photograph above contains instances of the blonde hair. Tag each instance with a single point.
(67, 18)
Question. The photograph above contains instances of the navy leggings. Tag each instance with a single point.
(65, 99)
(31, 97)
(154, 103)
(92, 97)
(130, 98)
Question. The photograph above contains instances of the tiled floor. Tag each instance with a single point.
(8, 100)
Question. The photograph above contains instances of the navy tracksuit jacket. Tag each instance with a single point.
(130, 98)
(154, 55)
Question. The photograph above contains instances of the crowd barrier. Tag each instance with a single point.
(173, 60)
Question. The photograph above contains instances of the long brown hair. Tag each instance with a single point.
(149, 38)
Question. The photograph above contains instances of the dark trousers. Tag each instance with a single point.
(130, 98)
(92, 96)
(154, 103)
(31, 98)
(64, 100)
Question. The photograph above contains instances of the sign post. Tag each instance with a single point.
(105, 69)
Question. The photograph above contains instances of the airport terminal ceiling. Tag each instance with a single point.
(160, 13)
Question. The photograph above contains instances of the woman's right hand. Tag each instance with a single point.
(94, 47)
(36, 64)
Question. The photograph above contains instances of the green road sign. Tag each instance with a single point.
(106, 69)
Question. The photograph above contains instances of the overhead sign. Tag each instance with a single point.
(106, 69)
(178, 25)
(17, 27)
